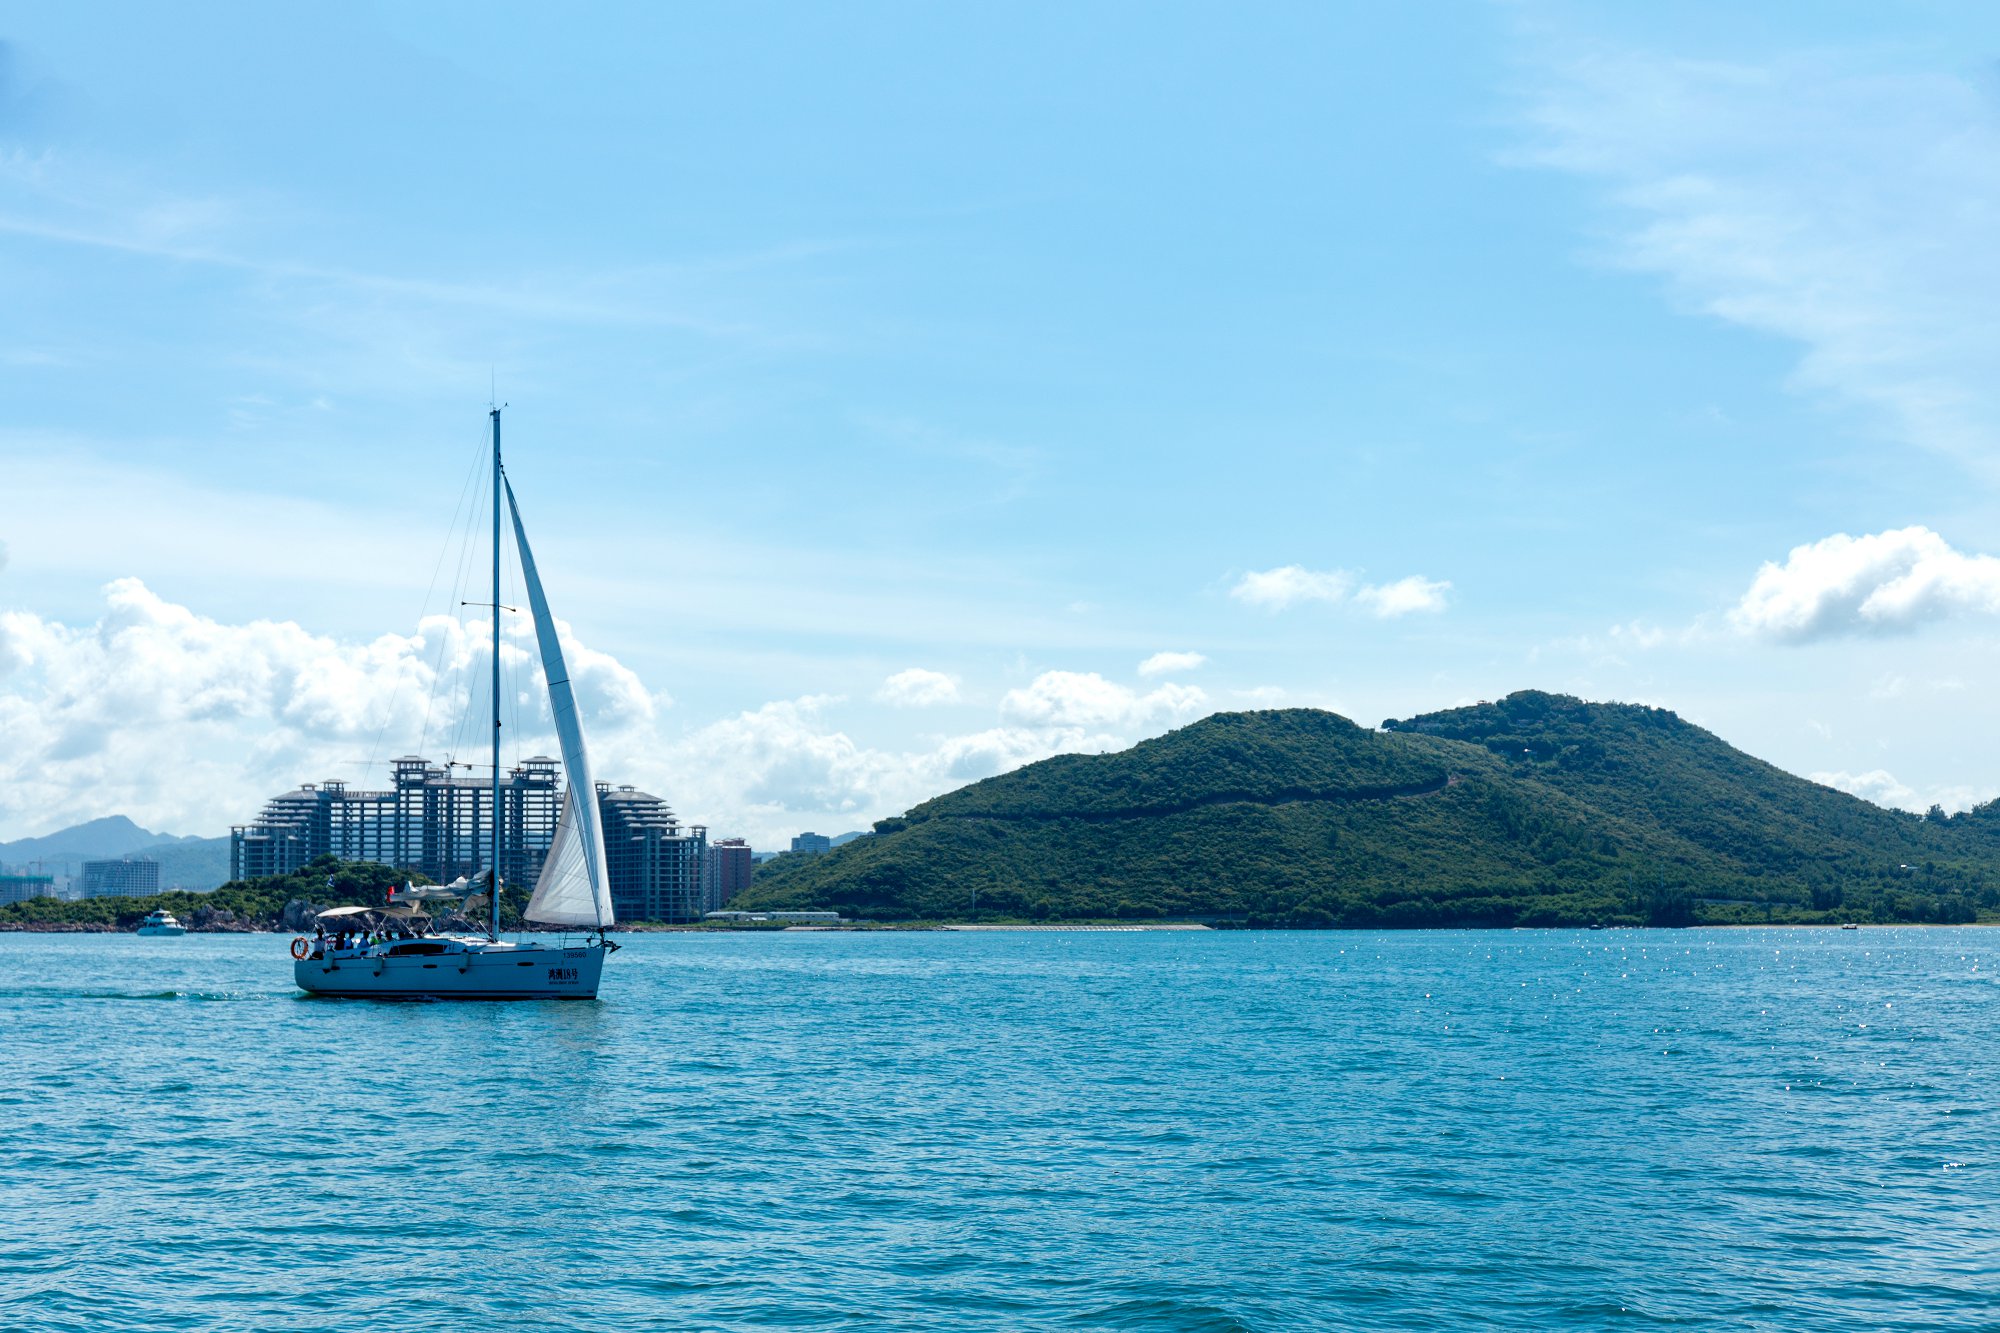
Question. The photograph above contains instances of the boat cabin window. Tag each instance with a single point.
(417, 947)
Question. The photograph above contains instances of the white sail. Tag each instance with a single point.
(572, 889)
(563, 895)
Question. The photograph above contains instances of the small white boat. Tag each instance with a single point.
(390, 952)
(162, 923)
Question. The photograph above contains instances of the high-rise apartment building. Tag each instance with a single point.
(655, 864)
(812, 842)
(431, 821)
(20, 888)
(730, 865)
(442, 826)
(123, 878)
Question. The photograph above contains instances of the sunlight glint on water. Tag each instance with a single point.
(1709, 1129)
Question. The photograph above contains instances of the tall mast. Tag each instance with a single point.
(493, 898)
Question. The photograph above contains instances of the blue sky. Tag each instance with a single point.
(889, 384)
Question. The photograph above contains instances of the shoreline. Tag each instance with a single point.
(1100, 927)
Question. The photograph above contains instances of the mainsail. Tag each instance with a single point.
(571, 890)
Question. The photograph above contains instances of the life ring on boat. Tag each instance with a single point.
(300, 948)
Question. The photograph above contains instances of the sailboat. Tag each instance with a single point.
(391, 952)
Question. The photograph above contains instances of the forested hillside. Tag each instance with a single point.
(1536, 810)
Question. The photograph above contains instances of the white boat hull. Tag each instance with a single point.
(507, 971)
(159, 931)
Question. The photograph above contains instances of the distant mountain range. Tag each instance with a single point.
(1539, 809)
(190, 862)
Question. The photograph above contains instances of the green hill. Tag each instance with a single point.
(1536, 810)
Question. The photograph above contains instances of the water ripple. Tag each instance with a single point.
(1768, 1129)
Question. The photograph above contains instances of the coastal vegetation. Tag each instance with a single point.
(1537, 810)
(243, 904)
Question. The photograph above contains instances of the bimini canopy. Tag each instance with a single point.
(342, 913)
(421, 893)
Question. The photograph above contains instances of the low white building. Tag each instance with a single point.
(786, 918)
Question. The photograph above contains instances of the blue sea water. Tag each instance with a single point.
(1741, 1129)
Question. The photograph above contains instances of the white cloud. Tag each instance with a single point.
(1289, 585)
(1881, 583)
(188, 723)
(1061, 699)
(1891, 686)
(766, 770)
(769, 772)
(1641, 635)
(1611, 649)
(981, 754)
(1161, 664)
(1882, 788)
(918, 688)
(1404, 596)
(1895, 685)
(772, 771)
(1830, 198)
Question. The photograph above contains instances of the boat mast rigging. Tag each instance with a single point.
(493, 869)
